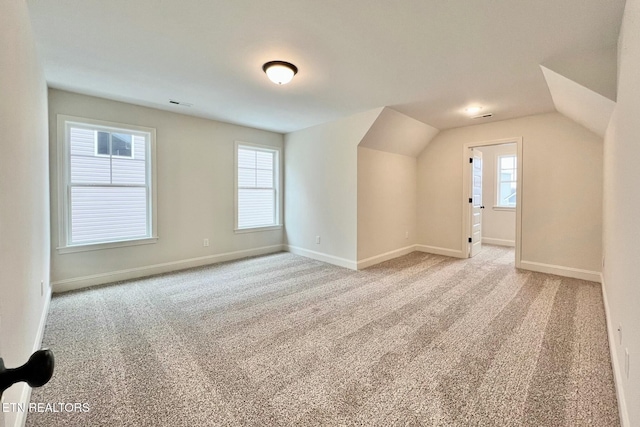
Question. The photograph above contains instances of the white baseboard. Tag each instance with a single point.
(148, 270)
(377, 259)
(440, 251)
(617, 369)
(576, 273)
(498, 242)
(331, 259)
(25, 394)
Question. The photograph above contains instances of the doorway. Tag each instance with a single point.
(492, 195)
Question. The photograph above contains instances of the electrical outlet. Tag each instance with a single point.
(317, 240)
(626, 362)
(603, 263)
(620, 334)
(406, 235)
(205, 243)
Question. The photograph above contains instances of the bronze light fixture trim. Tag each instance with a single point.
(280, 72)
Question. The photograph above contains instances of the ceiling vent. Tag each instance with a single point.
(483, 116)
(182, 104)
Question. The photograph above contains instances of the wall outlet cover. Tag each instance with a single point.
(626, 362)
(620, 334)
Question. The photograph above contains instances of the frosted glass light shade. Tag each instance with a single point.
(280, 72)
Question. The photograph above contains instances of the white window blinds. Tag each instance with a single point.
(257, 187)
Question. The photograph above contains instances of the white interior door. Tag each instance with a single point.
(476, 203)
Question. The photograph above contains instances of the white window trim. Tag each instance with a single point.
(64, 178)
(496, 170)
(278, 186)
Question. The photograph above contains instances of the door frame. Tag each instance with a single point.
(466, 191)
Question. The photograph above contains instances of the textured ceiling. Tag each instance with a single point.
(427, 59)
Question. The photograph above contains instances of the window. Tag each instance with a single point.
(106, 191)
(114, 144)
(507, 173)
(257, 183)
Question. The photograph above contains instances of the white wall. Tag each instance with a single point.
(321, 185)
(24, 194)
(195, 184)
(498, 224)
(562, 187)
(621, 218)
(386, 203)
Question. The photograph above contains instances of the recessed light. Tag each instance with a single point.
(280, 72)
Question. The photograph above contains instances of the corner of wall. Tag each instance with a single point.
(321, 188)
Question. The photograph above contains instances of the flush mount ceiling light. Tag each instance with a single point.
(472, 110)
(280, 72)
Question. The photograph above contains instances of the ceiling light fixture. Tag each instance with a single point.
(473, 110)
(280, 72)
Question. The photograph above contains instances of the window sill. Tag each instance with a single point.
(256, 229)
(504, 208)
(109, 245)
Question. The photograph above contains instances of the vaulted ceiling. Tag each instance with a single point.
(427, 59)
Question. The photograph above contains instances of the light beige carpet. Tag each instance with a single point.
(422, 340)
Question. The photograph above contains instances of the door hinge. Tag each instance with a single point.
(470, 200)
(470, 159)
(470, 240)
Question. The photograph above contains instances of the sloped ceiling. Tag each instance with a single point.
(397, 133)
(593, 69)
(427, 59)
(579, 103)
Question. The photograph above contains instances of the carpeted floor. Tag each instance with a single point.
(421, 340)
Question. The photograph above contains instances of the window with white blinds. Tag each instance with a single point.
(257, 187)
(108, 194)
